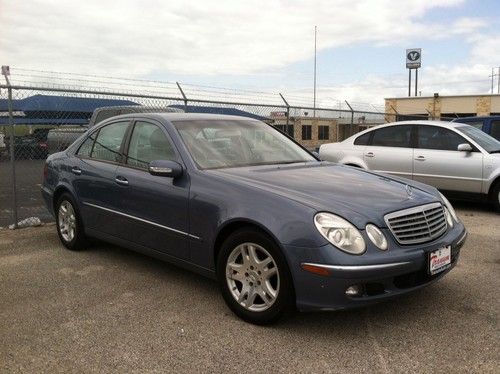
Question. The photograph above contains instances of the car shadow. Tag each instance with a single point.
(405, 310)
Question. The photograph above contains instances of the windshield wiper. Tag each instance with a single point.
(495, 151)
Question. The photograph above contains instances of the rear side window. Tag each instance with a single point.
(495, 129)
(433, 137)
(392, 136)
(108, 142)
(86, 147)
(363, 139)
(148, 143)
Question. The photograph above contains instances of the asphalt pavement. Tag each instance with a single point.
(108, 309)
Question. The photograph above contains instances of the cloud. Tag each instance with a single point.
(137, 38)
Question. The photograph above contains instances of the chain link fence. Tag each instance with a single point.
(36, 121)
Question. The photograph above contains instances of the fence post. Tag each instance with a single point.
(184, 96)
(351, 127)
(287, 112)
(5, 73)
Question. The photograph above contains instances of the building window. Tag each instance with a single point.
(323, 132)
(287, 129)
(306, 132)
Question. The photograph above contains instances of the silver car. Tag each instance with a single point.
(454, 157)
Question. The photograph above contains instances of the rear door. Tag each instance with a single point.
(93, 169)
(390, 151)
(440, 164)
(154, 208)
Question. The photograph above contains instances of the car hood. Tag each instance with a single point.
(357, 195)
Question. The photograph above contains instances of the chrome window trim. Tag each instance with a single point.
(142, 220)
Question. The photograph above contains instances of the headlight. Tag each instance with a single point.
(340, 233)
(450, 208)
(376, 236)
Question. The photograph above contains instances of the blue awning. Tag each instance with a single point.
(49, 103)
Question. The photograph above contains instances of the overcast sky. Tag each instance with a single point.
(263, 45)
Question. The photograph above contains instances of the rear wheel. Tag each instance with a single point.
(254, 278)
(69, 224)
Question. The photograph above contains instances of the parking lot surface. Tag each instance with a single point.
(108, 309)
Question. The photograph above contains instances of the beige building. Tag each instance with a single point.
(309, 131)
(441, 107)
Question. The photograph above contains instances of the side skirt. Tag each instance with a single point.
(152, 253)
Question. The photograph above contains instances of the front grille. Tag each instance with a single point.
(417, 225)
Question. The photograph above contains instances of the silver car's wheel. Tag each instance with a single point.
(252, 277)
(67, 221)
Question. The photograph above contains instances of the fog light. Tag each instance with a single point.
(354, 291)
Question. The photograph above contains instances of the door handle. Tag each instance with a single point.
(369, 154)
(420, 158)
(76, 170)
(121, 181)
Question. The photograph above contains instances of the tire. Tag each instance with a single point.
(495, 197)
(69, 224)
(262, 281)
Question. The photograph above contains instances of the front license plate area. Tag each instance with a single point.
(439, 260)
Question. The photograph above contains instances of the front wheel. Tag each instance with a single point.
(254, 277)
(496, 197)
(69, 224)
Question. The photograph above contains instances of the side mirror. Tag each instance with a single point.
(465, 147)
(165, 168)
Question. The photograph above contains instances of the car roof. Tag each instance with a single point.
(414, 122)
(183, 116)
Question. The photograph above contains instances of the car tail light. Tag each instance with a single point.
(43, 145)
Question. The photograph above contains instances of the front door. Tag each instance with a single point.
(156, 207)
(438, 162)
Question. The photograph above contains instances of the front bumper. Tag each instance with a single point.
(380, 275)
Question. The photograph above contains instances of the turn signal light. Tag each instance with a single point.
(316, 270)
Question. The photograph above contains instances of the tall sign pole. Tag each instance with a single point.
(413, 61)
(314, 100)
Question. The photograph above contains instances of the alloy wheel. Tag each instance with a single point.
(252, 277)
(67, 221)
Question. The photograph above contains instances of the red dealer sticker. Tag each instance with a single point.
(440, 260)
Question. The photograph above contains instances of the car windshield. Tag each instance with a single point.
(217, 144)
(488, 143)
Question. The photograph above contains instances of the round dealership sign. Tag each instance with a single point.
(413, 58)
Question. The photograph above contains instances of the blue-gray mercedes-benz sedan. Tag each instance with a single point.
(235, 199)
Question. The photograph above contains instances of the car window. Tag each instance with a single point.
(147, 143)
(363, 139)
(108, 142)
(495, 129)
(392, 136)
(235, 143)
(434, 137)
(86, 147)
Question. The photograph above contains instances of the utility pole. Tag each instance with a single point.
(492, 77)
(314, 98)
(498, 81)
